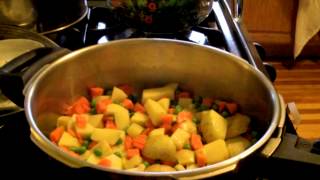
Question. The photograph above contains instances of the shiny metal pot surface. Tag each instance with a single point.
(145, 63)
(42, 16)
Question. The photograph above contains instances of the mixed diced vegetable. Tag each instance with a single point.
(168, 130)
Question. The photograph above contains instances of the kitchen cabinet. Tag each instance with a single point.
(272, 24)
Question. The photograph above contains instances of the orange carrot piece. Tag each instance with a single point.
(196, 142)
(127, 142)
(183, 95)
(139, 141)
(127, 103)
(169, 163)
(132, 152)
(105, 162)
(149, 124)
(149, 160)
(79, 137)
(175, 127)
(81, 106)
(207, 102)
(221, 105)
(56, 134)
(167, 119)
(96, 91)
(81, 121)
(110, 124)
(167, 127)
(201, 158)
(147, 131)
(71, 153)
(171, 110)
(101, 106)
(183, 116)
(232, 107)
(139, 108)
(126, 88)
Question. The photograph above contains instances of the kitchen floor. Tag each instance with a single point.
(300, 86)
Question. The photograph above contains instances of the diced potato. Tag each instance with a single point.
(140, 167)
(158, 93)
(185, 103)
(68, 141)
(104, 147)
(118, 95)
(96, 120)
(185, 157)
(110, 135)
(179, 167)
(213, 126)
(180, 137)
(192, 166)
(99, 98)
(165, 103)
(71, 122)
(63, 121)
(134, 130)
(189, 127)
(215, 151)
(237, 145)
(155, 111)
(158, 131)
(116, 162)
(159, 168)
(85, 155)
(118, 149)
(132, 162)
(86, 131)
(121, 115)
(237, 124)
(139, 118)
(93, 159)
(160, 147)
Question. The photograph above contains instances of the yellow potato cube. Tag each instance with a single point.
(213, 126)
(179, 167)
(118, 95)
(180, 137)
(158, 131)
(96, 120)
(63, 121)
(155, 111)
(68, 141)
(116, 162)
(237, 145)
(104, 147)
(185, 157)
(158, 93)
(216, 151)
(132, 162)
(165, 103)
(139, 118)
(237, 124)
(110, 135)
(134, 130)
(121, 115)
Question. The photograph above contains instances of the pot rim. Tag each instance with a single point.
(209, 168)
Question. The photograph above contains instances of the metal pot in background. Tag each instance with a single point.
(44, 17)
(15, 41)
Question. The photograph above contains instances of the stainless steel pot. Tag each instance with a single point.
(42, 16)
(151, 62)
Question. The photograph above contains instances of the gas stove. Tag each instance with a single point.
(220, 30)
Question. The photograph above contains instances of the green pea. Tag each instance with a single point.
(177, 109)
(195, 120)
(118, 154)
(78, 150)
(186, 146)
(119, 141)
(225, 113)
(146, 163)
(97, 152)
(86, 143)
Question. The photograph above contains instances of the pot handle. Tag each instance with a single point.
(15, 74)
(211, 173)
